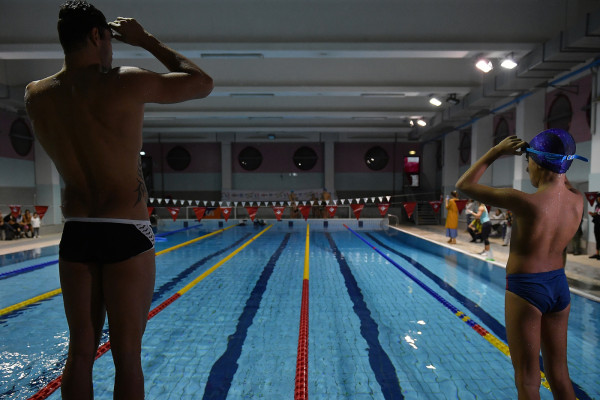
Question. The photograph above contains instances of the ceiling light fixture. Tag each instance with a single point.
(421, 122)
(484, 65)
(452, 99)
(435, 102)
(509, 62)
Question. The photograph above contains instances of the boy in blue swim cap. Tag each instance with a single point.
(537, 299)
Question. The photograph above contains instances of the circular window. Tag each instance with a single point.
(502, 131)
(20, 137)
(250, 158)
(560, 113)
(464, 148)
(376, 158)
(305, 158)
(178, 158)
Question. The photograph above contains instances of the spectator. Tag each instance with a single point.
(36, 222)
(2, 228)
(474, 230)
(25, 223)
(486, 227)
(596, 220)
(452, 217)
(498, 221)
(508, 226)
(471, 206)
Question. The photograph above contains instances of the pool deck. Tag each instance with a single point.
(583, 272)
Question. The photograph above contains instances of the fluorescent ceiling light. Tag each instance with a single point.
(508, 63)
(484, 65)
(435, 102)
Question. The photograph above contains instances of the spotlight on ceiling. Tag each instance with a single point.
(452, 99)
(435, 102)
(421, 122)
(484, 65)
(508, 62)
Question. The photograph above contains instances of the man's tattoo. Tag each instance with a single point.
(141, 187)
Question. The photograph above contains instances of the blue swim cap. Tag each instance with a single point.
(553, 149)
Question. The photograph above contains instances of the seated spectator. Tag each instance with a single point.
(25, 223)
(2, 228)
(13, 229)
(498, 222)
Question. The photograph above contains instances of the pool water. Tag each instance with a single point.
(376, 330)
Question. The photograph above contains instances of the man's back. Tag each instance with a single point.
(91, 129)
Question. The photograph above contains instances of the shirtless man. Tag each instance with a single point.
(88, 117)
(537, 301)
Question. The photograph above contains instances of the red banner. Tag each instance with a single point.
(591, 196)
(252, 212)
(278, 210)
(150, 209)
(331, 210)
(15, 210)
(460, 204)
(174, 211)
(410, 207)
(383, 208)
(41, 210)
(199, 211)
(357, 208)
(305, 211)
(226, 212)
(436, 205)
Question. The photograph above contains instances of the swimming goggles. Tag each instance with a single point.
(556, 157)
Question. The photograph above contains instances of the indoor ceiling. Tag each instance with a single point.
(292, 69)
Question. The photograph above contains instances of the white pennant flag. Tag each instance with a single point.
(365, 200)
(235, 203)
(220, 203)
(167, 201)
(205, 202)
(335, 202)
(380, 199)
(151, 200)
(342, 201)
(357, 201)
(243, 203)
(312, 202)
(372, 199)
(289, 203)
(281, 203)
(212, 203)
(197, 202)
(189, 202)
(388, 198)
(327, 202)
(159, 200)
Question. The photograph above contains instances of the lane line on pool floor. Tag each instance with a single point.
(52, 293)
(475, 326)
(301, 381)
(104, 348)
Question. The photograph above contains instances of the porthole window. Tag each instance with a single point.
(560, 113)
(21, 138)
(376, 158)
(305, 158)
(502, 131)
(178, 158)
(250, 158)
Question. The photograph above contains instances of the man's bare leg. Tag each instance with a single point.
(84, 308)
(554, 352)
(128, 288)
(523, 327)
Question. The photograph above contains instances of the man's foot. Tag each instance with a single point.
(484, 253)
(504, 244)
(595, 256)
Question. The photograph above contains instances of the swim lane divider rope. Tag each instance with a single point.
(54, 292)
(55, 384)
(301, 390)
(497, 343)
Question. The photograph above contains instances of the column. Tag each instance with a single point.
(450, 168)
(529, 122)
(226, 168)
(47, 186)
(329, 164)
(481, 141)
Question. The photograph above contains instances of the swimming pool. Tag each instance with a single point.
(378, 328)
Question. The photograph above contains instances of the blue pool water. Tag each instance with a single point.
(375, 333)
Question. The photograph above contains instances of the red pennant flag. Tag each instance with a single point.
(15, 210)
(41, 210)
(199, 211)
(410, 207)
(436, 205)
(252, 212)
(305, 211)
(489, 208)
(460, 204)
(174, 211)
(226, 212)
(591, 196)
(383, 208)
(150, 209)
(357, 208)
(278, 210)
(331, 210)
